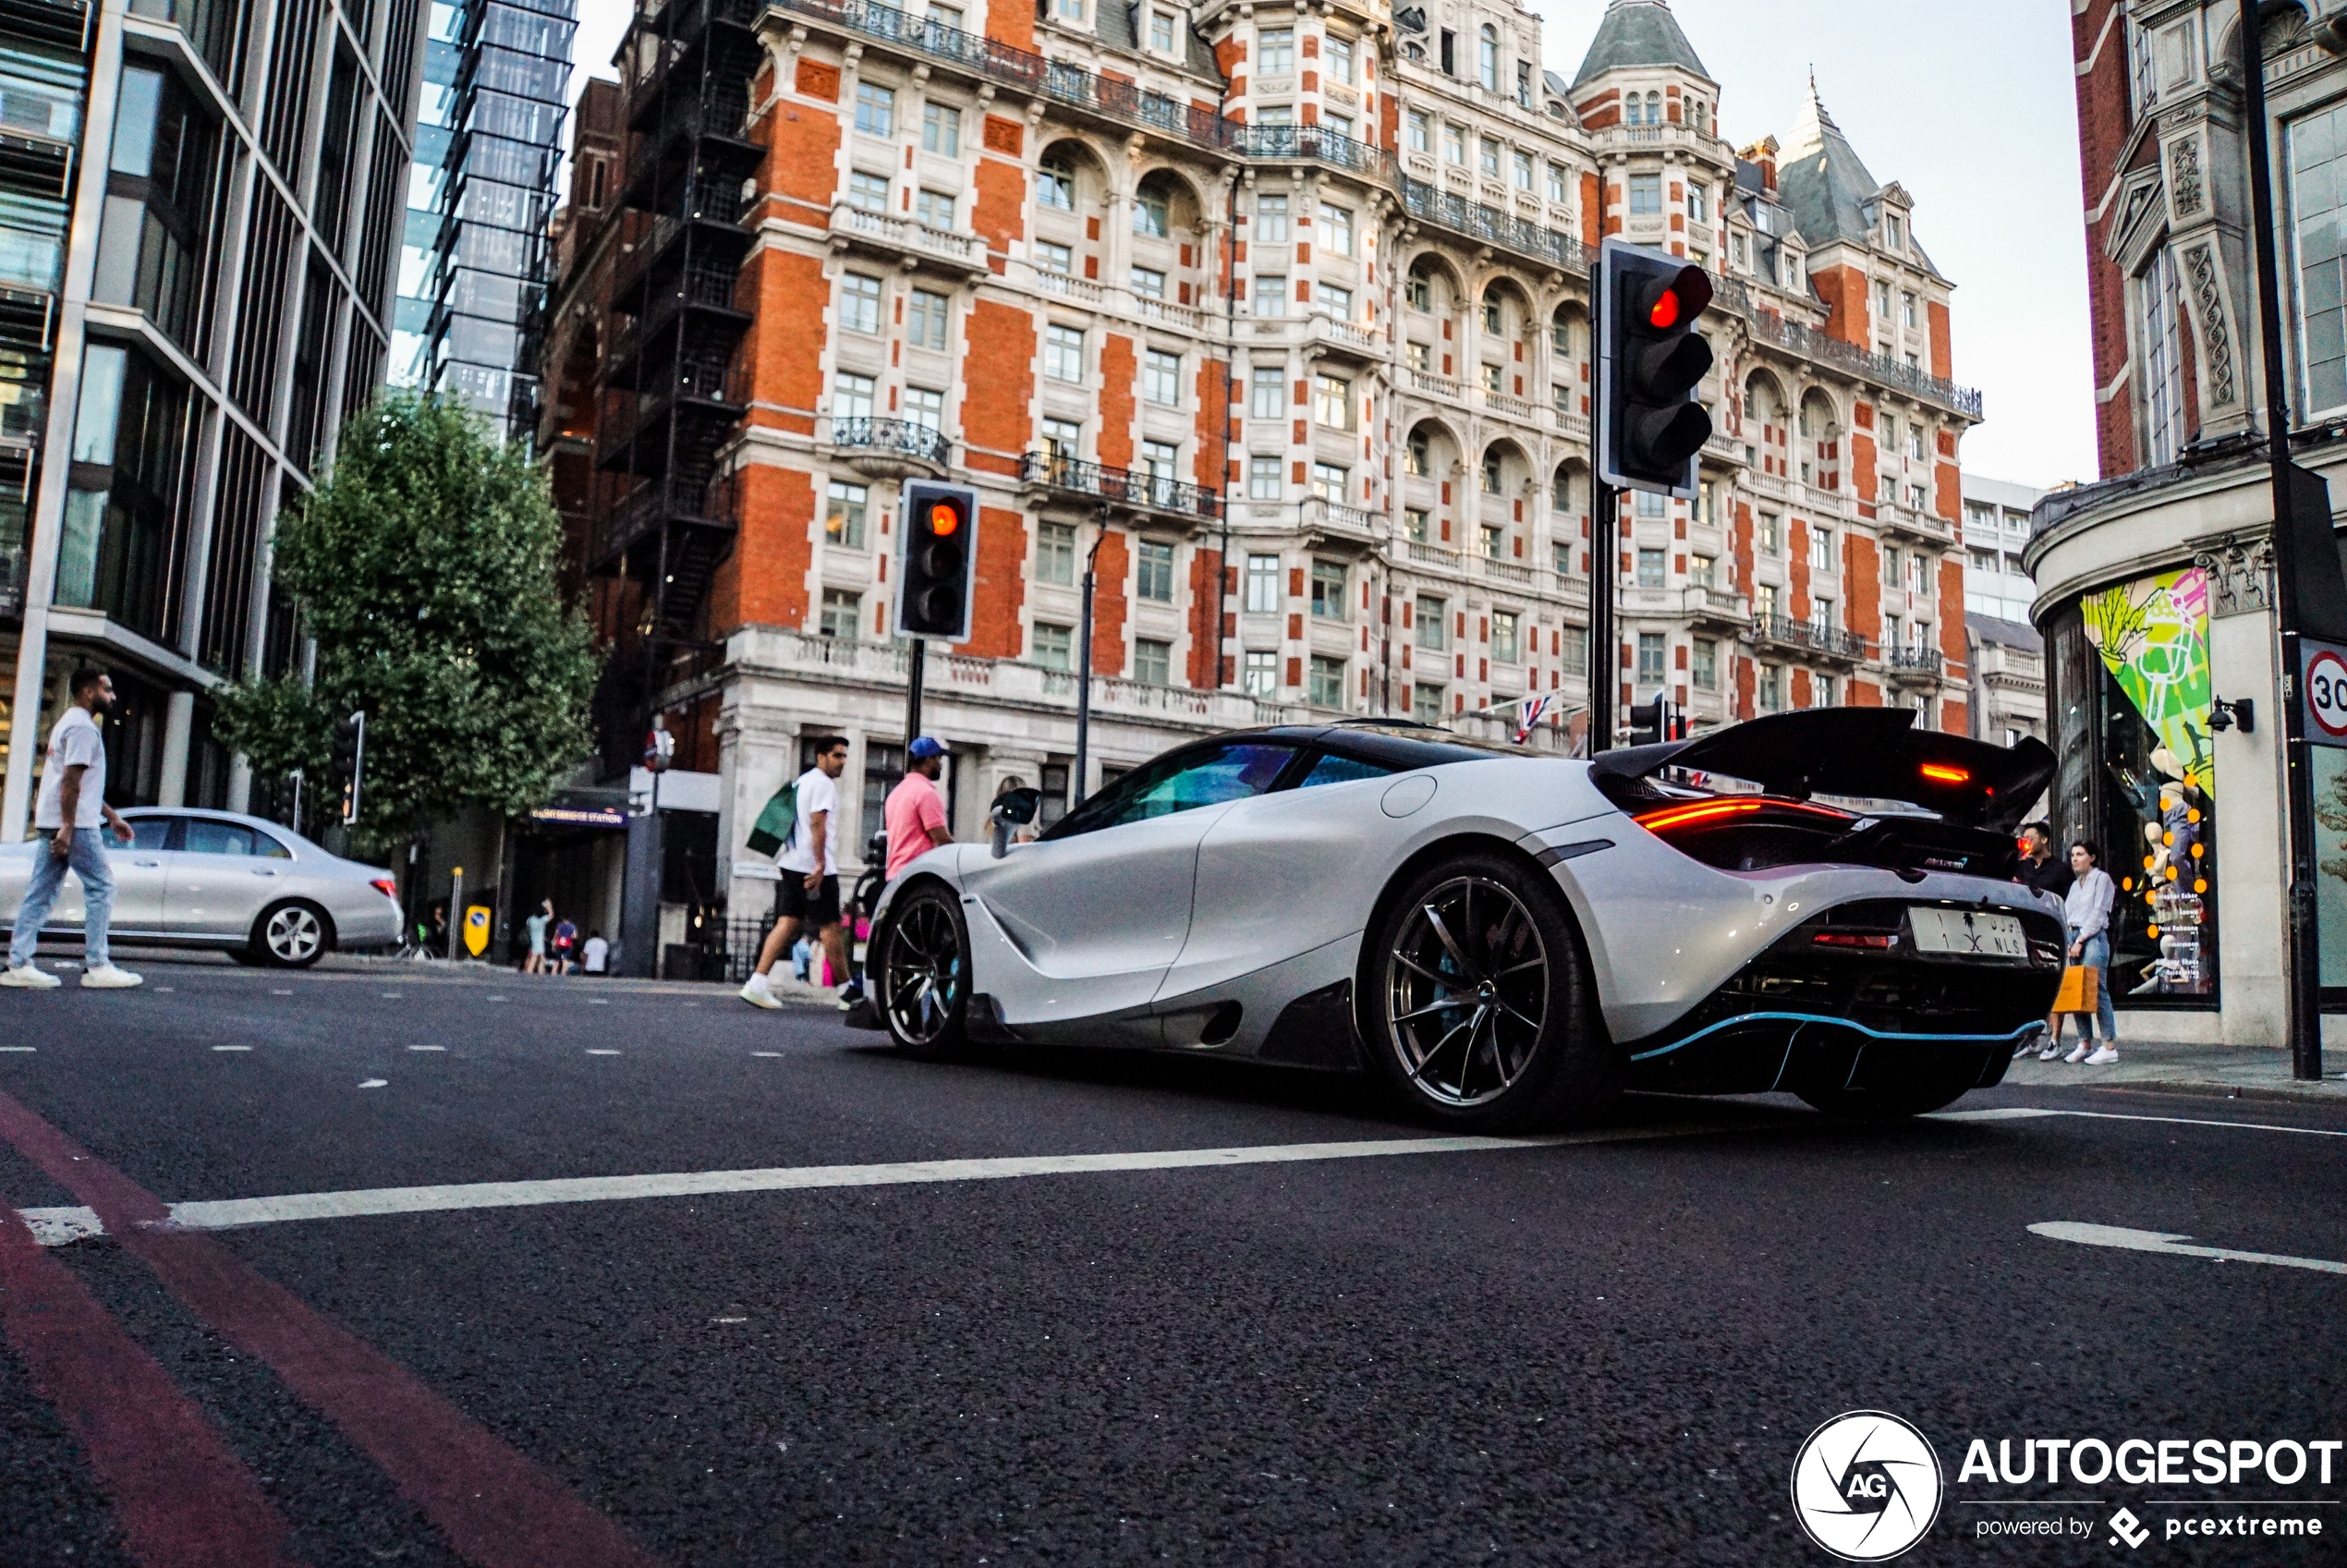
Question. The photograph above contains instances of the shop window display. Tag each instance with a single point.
(2152, 788)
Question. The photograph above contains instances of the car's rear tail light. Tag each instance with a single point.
(385, 886)
(1747, 832)
(1856, 939)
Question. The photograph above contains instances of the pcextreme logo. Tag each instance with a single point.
(1867, 1485)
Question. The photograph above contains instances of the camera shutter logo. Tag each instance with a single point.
(1867, 1485)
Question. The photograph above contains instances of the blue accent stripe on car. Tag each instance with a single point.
(1837, 1023)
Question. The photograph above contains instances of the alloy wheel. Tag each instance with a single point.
(924, 972)
(1466, 993)
(293, 934)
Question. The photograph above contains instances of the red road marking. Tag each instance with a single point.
(497, 1508)
(182, 1499)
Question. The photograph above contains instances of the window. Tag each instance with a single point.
(2157, 303)
(859, 303)
(1148, 283)
(1332, 402)
(1764, 601)
(867, 193)
(1336, 230)
(1330, 482)
(1494, 542)
(1055, 186)
(1337, 302)
(1161, 377)
(941, 129)
(1418, 292)
(1064, 440)
(851, 398)
(1267, 393)
(1162, 32)
(1262, 481)
(1072, 11)
(1772, 688)
(1270, 297)
(1328, 682)
(1649, 505)
(1557, 182)
(1704, 665)
(1821, 614)
(843, 516)
(1263, 583)
(1487, 158)
(1701, 569)
(1161, 463)
(1413, 524)
(1420, 130)
(1491, 472)
(1416, 454)
(1454, 144)
(1433, 622)
(1271, 220)
(1698, 205)
(1056, 553)
(1917, 438)
(1275, 114)
(1561, 399)
(1735, 249)
(1895, 232)
(1153, 572)
(875, 109)
(152, 239)
(1063, 354)
(1056, 263)
(1327, 590)
(1821, 557)
(1491, 374)
(125, 522)
(1523, 171)
(1426, 704)
(1645, 195)
(1507, 644)
(1771, 531)
(1918, 499)
(1152, 660)
(1260, 674)
(1331, 770)
(2318, 191)
(843, 613)
(1053, 646)
(1575, 658)
(924, 407)
(1908, 311)
(934, 209)
(1151, 219)
(1653, 647)
(1418, 357)
(1561, 491)
(1278, 49)
(1652, 572)
(1918, 576)
(925, 319)
(1487, 59)
(1341, 59)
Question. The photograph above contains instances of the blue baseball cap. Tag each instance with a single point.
(924, 748)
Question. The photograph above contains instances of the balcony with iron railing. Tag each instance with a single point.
(891, 448)
(1808, 342)
(1830, 642)
(1120, 486)
(1914, 662)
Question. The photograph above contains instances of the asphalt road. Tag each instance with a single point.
(1606, 1350)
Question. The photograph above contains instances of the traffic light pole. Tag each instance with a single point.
(1605, 519)
(916, 671)
(2302, 960)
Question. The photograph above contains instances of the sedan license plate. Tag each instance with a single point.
(1968, 933)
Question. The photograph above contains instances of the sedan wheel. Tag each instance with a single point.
(924, 975)
(1476, 1004)
(293, 936)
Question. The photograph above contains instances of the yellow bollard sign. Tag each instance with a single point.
(477, 930)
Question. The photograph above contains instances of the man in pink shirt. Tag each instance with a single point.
(915, 814)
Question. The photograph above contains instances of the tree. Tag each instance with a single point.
(424, 565)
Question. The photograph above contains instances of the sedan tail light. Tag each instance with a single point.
(385, 886)
(1747, 832)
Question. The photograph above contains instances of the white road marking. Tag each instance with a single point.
(281, 993)
(2156, 1241)
(599, 1002)
(20, 1047)
(765, 1053)
(495, 999)
(374, 1082)
(228, 1213)
(2017, 1112)
(166, 991)
(232, 1048)
(427, 1048)
(391, 996)
(594, 1052)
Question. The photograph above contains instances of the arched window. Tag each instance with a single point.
(1492, 322)
(1634, 110)
(1415, 456)
(1055, 186)
(1491, 472)
(1560, 332)
(1489, 58)
(1419, 293)
(1561, 491)
(1654, 108)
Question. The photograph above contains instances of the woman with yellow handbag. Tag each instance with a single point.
(2085, 984)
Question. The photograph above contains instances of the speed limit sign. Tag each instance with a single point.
(2325, 687)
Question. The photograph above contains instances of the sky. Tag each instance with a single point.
(1973, 109)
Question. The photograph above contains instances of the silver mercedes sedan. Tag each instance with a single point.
(192, 877)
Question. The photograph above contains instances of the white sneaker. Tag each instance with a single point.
(30, 979)
(2052, 1053)
(108, 977)
(2026, 1048)
(2102, 1058)
(2077, 1054)
(759, 992)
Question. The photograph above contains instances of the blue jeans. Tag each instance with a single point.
(87, 861)
(2097, 956)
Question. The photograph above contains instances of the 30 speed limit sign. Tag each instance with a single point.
(2325, 676)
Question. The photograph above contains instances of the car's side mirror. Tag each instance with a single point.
(1012, 807)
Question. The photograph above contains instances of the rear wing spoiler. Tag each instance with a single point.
(1872, 753)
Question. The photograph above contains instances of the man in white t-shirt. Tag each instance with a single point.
(597, 953)
(70, 811)
(809, 865)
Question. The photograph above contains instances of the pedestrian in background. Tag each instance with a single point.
(2086, 911)
(597, 953)
(536, 963)
(915, 812)
(809, 894)
(565, 945)
(2042, 872)
(70, 810)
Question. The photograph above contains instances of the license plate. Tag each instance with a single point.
(1967, 932)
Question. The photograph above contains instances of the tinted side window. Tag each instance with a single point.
(268, 848)
(151, 833)
(208, 837)
(1332, 768)
(1182, 782)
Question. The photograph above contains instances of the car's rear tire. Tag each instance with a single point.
(1477, 1005)
(920, 976)
(1926, 1092)
(292, 935)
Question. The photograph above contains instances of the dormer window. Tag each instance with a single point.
(1893, 229)
(1071, 10)
(1162, 32)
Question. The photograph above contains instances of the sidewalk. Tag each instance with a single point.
(2251, 1073)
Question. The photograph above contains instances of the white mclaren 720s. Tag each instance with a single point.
(1819, 902)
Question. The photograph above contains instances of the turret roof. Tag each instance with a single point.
(1638, 32)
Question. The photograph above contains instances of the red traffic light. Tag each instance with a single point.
(944, 519)
(1666, 309)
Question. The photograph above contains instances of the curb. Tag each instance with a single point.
(2323, 1093)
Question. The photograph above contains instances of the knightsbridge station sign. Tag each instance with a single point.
(1868, 1487)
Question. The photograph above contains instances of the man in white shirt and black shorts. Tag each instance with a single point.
(70, 813)
(810, 866)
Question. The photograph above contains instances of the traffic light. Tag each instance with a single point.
(935, 586)
(348, 761)
(1657, 721)
(1649, 359)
